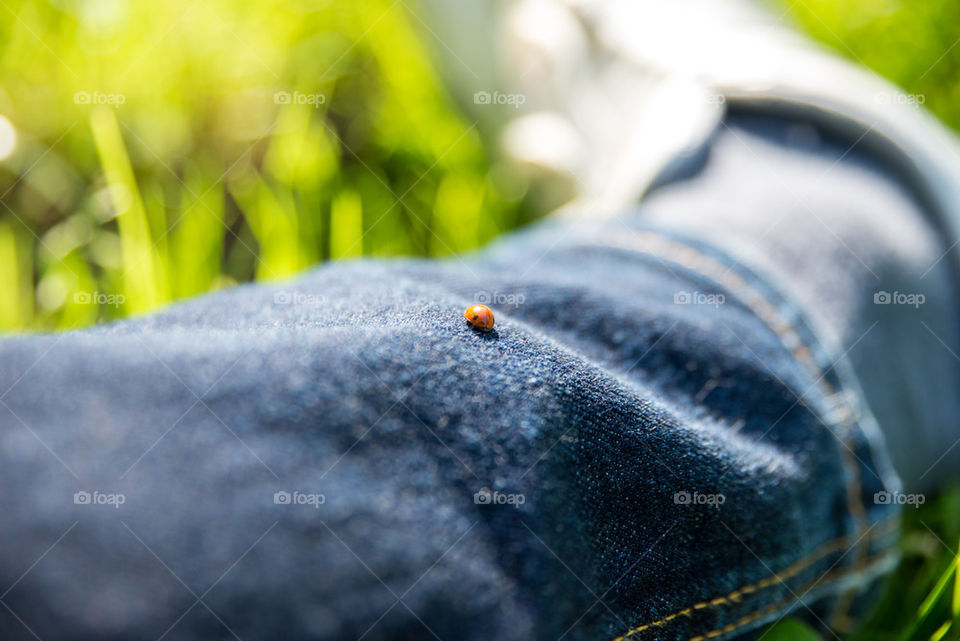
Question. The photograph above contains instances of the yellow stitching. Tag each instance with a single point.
(767, 312)
(750, 618)
(730, 627)
(825, 549)
(697, 261)
(770, 316)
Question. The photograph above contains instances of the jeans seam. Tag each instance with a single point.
(784, 604)
(691, 258)
(803, 563)
(695, 260)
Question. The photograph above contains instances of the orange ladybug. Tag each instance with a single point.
(480, 316)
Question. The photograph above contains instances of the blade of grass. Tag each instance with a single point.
(346, 225)
(955, 603)
(140, 269)
(933, 597)
(271, 216)
(941, 631)
(11, 314)
(196, 243)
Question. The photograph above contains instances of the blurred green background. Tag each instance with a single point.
(166, 149)
(153, 151)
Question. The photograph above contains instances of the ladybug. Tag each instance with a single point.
(480, 316)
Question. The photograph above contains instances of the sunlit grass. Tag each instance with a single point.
(921, 599)
(914, 44)
(167, 149)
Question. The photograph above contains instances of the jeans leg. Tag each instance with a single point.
(654, 442)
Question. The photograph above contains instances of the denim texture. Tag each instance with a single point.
(653, 443)
(833, 227)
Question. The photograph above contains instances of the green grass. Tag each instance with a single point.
(194, 172)
(921, 598)
(914, 44)
(203, 178)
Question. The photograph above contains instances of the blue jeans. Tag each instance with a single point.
(681, 427)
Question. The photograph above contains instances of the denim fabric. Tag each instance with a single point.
(653, 443)
(834, 228)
